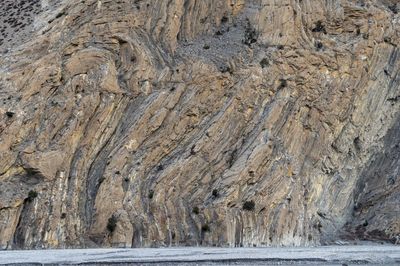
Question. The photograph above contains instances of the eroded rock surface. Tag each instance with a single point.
(185, 122)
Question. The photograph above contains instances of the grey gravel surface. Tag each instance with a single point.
(327, 255)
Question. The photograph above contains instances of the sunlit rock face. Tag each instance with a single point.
(154, 123)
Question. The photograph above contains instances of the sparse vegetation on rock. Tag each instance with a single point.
(249, 205)
(215, 193)
(32, 195)
(205, 228)
(151, 194)
(319, 27)
(196, 210)
(250, 36)
(112, 224)
(264, 62)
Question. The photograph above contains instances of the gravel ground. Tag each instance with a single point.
(327, 255)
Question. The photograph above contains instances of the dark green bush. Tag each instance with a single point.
(215, 193)
(32, 195)
(319, 45)
(112, 224)
(319, 27)
(205, 228)
(394, 8)
(151, 194)
(10, 114)
(387, 39)
(283, 84)
(196, 210)
(250, 34)
(264, 63)
(249, 205)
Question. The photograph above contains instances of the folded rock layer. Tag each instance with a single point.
(147, 123)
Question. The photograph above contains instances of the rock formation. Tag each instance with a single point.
(145, 123)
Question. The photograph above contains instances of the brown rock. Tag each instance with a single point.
(119, 111)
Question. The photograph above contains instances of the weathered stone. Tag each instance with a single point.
(118, 110)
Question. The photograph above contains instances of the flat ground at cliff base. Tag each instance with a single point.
(327, 255)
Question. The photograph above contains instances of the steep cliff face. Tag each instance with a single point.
(185, 122)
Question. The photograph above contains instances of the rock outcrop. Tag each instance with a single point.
(143, 123)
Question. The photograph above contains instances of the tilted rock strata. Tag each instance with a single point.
(154, 123)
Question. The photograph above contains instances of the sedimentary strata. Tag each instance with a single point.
(200, 122)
